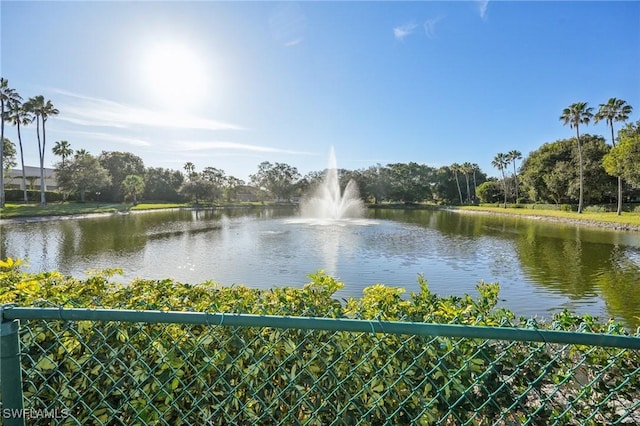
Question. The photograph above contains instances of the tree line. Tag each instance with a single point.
(117, 176)
(576, 170)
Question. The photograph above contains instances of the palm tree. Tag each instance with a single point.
(466, 169)
(513, 156)
(190, 168)
(500, 162)
(575, 115)
(133, 185)
(614, 110)
(474, 169)
(42, 110)
(7, 97)
(455, 168)
(81, 153)
(62, 149)
(19, 116)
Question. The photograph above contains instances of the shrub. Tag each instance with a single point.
(596, 209)
(180, 373)
(17, 195)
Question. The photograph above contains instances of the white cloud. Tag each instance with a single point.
(293, 42)
(430, 27)
(482, 5)
(89, 111)
(288, 23)
(226, 145)
(403, 31)
(110, 137)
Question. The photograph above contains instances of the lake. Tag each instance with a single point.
(542, 267)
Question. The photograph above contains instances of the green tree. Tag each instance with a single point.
(489, 192)
(614, 110)
(539, 163)
(9, 152)
(230, 185)
(576, 114)
(513, 156)
(81, 175)
(197, 188)
(217, 179)
(444, 187)
(537, 171)
(556, 182)
(163, 184)
(42, 110)
(7, 97)
(409, 182)
(63, 150)
(375, 184)
(120, 165)
(19, 116)
(279, 179)
(132, 187)
(500, 162)
(599, 187)
(624, 159)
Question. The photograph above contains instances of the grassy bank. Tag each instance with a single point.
(13, 211)
(626, 220)
(59, 209)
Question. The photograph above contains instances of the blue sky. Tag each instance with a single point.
(232, 84)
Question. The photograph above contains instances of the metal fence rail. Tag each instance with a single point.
(121, 367)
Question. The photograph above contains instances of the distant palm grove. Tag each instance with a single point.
(582, 170)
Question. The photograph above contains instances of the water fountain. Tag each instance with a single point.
(328, 203)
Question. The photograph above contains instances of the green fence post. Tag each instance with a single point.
(12, 412)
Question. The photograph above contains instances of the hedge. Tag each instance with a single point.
(17, 195)
(178, 374)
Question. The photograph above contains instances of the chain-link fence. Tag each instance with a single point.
(123, 367)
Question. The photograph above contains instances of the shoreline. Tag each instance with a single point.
(47, 218)
(72, 216)
(611, 226)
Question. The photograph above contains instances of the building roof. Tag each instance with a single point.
(32, 171)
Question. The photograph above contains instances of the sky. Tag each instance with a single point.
(232, 84)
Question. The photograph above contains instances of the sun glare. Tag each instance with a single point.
(175, 76)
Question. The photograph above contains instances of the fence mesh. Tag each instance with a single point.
(127, 373)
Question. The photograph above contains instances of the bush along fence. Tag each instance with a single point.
(136, 354)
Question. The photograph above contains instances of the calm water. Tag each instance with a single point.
(542, 267)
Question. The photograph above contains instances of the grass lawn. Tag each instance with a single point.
(156, 206)
(72, 208)
(58, 209)
(632, 219)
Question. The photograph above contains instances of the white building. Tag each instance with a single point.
(14, 178)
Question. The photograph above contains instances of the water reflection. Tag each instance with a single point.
(581, 269)
(619, 283)
(542, 267)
